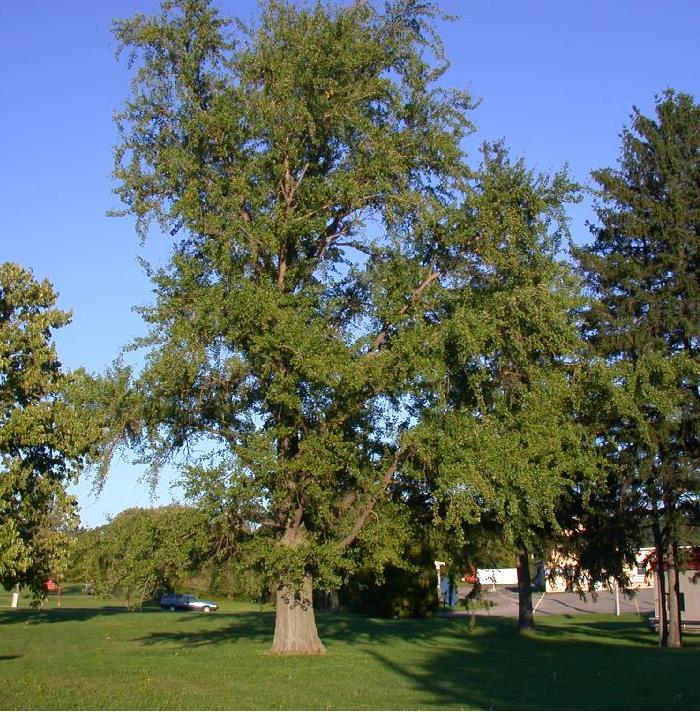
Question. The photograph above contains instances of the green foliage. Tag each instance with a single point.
(504, 443)
(473, 602)
(485, 546)
(643, 267)
(142, 552)
(401, 593)
(44, 439)
(406, 591)
(312, 170)
(112, 411)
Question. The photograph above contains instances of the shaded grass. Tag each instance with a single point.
(88, 655)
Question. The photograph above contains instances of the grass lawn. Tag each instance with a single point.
(92, 655)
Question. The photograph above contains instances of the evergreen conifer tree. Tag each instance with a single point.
(644, 269)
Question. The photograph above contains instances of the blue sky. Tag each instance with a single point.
(557, 81)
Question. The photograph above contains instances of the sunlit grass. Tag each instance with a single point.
(91, 654)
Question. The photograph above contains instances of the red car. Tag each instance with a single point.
(470, 576)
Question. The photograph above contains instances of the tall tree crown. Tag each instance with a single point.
(43, 439)
(338, 262)
(644, 264)
(313, 168)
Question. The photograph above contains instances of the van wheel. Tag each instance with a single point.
(172, 608)
(206, 609)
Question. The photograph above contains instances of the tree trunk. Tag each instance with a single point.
(526, 617)
(334, 600)
(674, 608)
(295, 624)
(661, 587)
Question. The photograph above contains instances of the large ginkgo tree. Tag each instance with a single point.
(309, 168)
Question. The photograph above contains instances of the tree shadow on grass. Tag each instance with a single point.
(65, 613)
(572, 662)
(603, 632)
(583, 666)
(256, 627)
(34, 616)
(345, 628)
(356, 628)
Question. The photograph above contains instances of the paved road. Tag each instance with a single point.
(505, 601)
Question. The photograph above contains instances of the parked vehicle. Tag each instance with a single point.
(186, 602)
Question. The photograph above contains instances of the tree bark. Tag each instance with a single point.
(674, 597)
(661, 587)
(334, 600)
(526, 617)
(295, 623)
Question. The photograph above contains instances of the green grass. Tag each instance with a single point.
(90, 654)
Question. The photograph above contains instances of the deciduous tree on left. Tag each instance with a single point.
(44, 441)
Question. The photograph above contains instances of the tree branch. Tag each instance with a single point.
(282, 266)
(381, 336)
(369, 508)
